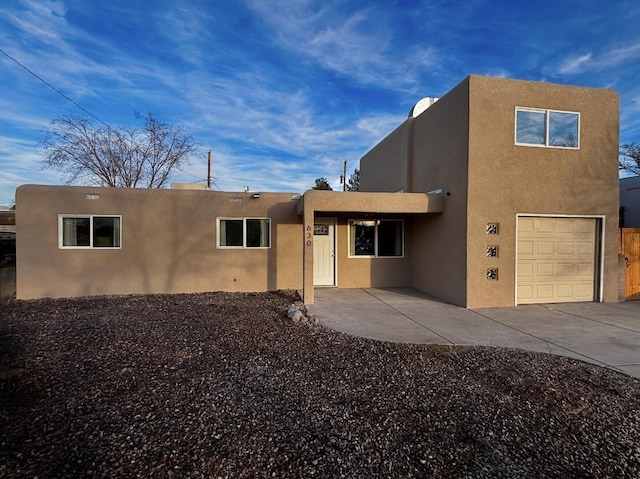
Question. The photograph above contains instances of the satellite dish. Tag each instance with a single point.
(421, 106)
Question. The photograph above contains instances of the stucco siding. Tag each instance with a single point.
(440, 151)
(168, 243)
(384, 167)
(506, 179)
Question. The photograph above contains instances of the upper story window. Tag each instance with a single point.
(244, 232)
(89, 231)
(547, 128)
(379, 238)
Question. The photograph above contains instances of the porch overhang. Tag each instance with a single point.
(360, 202)
(320, 201)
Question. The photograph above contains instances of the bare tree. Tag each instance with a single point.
(125, 157)
(630, 158)
(322, 184)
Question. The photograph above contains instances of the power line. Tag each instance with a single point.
(53, 88)
(200, 180)
(72, 101)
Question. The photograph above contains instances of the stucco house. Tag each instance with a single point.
(502, 192)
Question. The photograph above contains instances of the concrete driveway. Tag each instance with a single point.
(606, 334)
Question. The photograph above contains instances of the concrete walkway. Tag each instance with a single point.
(606, 334)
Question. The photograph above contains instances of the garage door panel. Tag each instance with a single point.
(525, 294)
(542, 293)
(565, 291)
(556, 259)
(585, 291)
(587, 227)
(566, 248)
(526, 225)
(525, 270)
(525, 248)
(544, 248)
(563, 227)
(565, 269)
(543, 270)
(544, 226)
(585, 270)
(585, 247)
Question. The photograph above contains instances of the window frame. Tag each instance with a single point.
(547, 140)
(62, 217)
(244, 232)
(376, 241)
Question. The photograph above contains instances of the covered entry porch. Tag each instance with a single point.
(327, 213)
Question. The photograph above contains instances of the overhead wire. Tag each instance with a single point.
(53, 88)
(21, 65)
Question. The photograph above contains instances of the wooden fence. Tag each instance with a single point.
(629, 254)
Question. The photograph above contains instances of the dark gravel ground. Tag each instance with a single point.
(222, 385)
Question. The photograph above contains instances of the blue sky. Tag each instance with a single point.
(283, 92)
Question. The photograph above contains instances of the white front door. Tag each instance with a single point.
(324, 252)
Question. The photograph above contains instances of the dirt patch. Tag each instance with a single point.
(223, 385)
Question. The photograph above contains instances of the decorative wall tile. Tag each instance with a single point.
(492, 228)
(492, 273)
(492, 251)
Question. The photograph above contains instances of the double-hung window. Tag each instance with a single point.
(547, 128)
(89, 231)
(244, 232)
(376, 238)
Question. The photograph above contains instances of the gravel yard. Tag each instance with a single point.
(223, 385)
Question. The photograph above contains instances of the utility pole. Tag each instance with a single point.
(344, 176)
(209, 170)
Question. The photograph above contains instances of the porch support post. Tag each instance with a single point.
(307, 260)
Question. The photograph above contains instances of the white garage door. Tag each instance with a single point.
(556, 260)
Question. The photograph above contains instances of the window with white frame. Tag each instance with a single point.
(547, 128)
(376, 238)
(244, 232)
(89, 231)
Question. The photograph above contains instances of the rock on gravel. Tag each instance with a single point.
(224, 385)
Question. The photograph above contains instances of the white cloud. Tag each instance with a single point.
(607, 59)
(358, 45)
(575, 64)
(21, 164)
(374, 128)
(43, 44)
(618, 56)
(499, 73)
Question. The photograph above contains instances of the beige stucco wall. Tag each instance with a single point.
(505, 179)
(464, 144)
(384, 167)
(437, 154)
(168, 243)
(440, 151)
